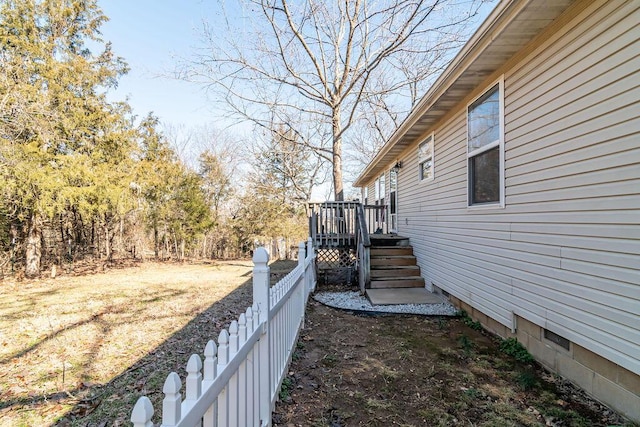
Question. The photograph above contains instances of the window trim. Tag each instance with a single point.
(498, 143)
(380, 188)
(393, 201)
(431, 157)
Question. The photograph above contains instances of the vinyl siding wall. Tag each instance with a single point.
(565, 251)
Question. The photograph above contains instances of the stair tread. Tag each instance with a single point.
(381, 284)
(391, 271)
(392, 247)
(393, 263)
(402, 296)
(392, 257)
(382, 240)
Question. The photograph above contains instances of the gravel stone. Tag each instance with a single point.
(351, 300)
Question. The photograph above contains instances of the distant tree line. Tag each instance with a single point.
(80, 180)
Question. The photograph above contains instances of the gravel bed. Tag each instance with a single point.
(350, 300)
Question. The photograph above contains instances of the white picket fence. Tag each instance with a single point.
(238, 383)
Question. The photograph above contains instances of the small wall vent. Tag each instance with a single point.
(439, 290)
(557, 339)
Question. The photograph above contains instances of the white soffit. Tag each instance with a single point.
(509, 27)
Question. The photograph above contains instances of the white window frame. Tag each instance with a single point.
(380, 188)
(425, 157)
(497, 143)
(393, 200)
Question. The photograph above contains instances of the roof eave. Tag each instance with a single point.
(490, 31)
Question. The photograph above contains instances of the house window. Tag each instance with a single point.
(380, 190)
(393, 200)
(365, 195)
(425, 159)
(485, 148)
(380, 193)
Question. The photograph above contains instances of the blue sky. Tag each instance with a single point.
(149, 35)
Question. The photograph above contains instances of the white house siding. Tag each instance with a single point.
(565, 251)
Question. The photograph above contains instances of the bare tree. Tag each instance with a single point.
(284, 168)
(316, 68)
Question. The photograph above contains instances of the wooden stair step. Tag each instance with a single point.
(392, 260)
(402, 296)
(391, 250)
(388, 240)
(398, 282)
(394, 271)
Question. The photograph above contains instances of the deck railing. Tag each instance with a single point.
(377, 219)
(363, 262)
(238, 382)
(333, 224)
(340, 233)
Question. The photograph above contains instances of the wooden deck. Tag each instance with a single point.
(335, 241)
(342, 234)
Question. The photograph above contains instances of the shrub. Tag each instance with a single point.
(512, 347)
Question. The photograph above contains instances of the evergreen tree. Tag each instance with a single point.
(177, 209)
(282, 179)
(285, 170)
(62, 145)
(216, 180)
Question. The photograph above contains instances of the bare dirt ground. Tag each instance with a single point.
(79, 351)
(406, 370)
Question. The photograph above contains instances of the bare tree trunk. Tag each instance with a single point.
(122, 245)
(96, 237)
(34, 247)
(338, 190)
(14, 242)
(156, 242)
(63, 242)
(166, 252)
(107, 243)
(175, 245)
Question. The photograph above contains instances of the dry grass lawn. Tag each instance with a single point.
(81, 350)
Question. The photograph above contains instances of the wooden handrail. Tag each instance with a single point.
(363, 229)
(363, 250)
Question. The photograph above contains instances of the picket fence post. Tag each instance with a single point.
(250, 389)
(261, 272)
(302, 259)
(142, 413)
(171, 404)
(210, 372)
(311, 272)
